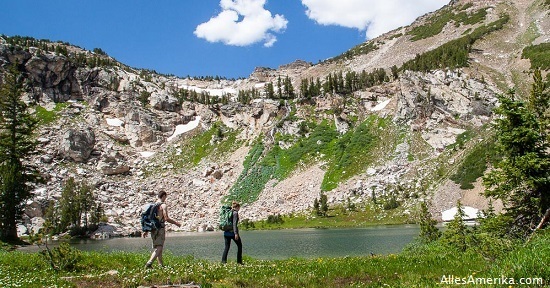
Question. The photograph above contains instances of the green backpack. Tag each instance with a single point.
(226, 218)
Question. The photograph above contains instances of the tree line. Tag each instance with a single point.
(334, 83)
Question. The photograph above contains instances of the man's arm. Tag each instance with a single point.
(167, 218)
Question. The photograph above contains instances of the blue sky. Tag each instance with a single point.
(228, 38)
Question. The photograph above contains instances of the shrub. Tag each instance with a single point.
(144, 98)
(247, 224)
(275, 219)
(391, 203)
(539, 55)
(63, 257)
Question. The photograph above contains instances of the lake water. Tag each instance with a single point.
(272, 244)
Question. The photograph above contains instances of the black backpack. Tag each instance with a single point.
(149, 217)
(226, 218)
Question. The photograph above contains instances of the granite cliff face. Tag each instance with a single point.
(120, 128)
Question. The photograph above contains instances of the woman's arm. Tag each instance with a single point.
(235, 222)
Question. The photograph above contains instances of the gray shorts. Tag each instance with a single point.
(158, 237)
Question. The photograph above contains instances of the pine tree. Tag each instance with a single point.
(457, 232)
(288, 89)
(304, 88)
(522, 178)
(86, 199)
(324, 205)
(428, 231)
(79, 208)
(69, 205)
(52, 223)
(269, 90)
(279, 88)
(17, 127)
(316, 209)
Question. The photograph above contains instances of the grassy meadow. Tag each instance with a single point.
(418, 265)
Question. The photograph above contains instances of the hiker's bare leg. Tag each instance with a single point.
(154, 254)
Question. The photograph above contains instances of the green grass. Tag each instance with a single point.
(366, 214)
(253, 178)
(213, 143)
(46, 116)
(418, 265)
(351, 153)
(525, 260)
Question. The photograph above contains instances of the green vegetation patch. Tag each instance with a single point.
(261, 166)
(475, 164)
(215, 142)
(253, 178)
(361, 49)
(46, 116)
(339, 216)
(461, 140)
(539, 55)
(350, 154)
(455, 53)
(437, 22)
(345, 155)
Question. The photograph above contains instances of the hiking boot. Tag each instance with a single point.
(148, 265)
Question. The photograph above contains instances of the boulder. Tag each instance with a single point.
(113, 165)
(33, 209)
(77, 144)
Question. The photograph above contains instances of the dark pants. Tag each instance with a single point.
(239, 249)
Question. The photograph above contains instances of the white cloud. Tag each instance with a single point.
(242, 23)
(373, 16)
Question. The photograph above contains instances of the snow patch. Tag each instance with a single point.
(146, 154)
(469, 213)
(381, 105)
(180, 129)
(212, 92)
(114, 122)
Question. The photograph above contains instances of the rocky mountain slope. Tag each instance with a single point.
(123, 129)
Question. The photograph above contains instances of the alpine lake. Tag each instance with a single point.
(269, 244)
